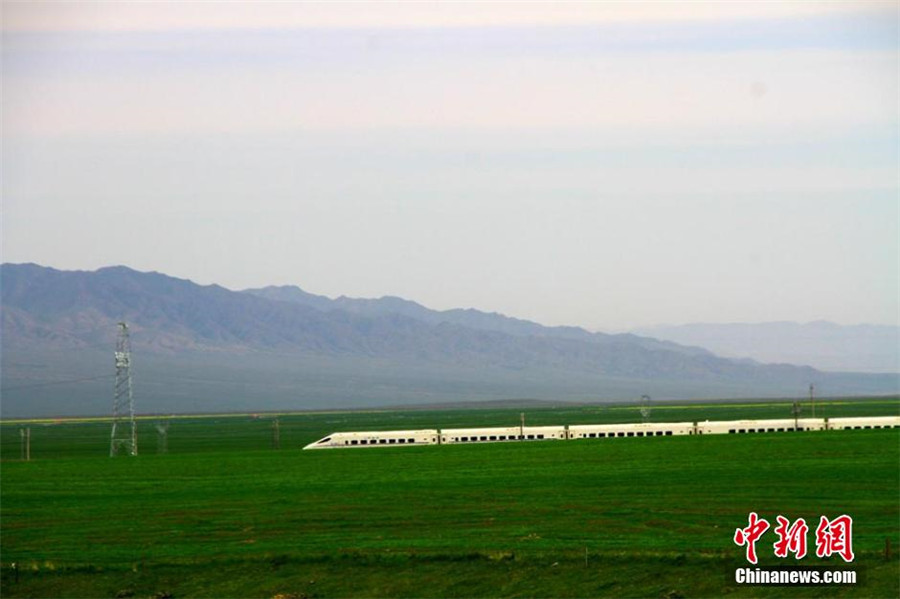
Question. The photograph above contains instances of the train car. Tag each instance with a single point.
(864, 423)
(376, 439)
(500, 434)
(642, 429)
(760, 426)
(594, 431)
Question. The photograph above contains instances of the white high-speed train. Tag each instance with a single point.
(454, 436)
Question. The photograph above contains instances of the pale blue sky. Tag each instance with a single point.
(585, 164)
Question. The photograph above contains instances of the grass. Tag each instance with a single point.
(224, 515)
(89, 437)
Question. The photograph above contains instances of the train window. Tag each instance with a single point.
(503, 437)
(731, 431)
(781, 430)
(540, 436)
(410, 440)
(484, 438)
(531, 437)
(592, 435)
(346, 442)
(867, 427)
(392, 441)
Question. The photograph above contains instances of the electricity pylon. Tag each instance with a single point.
(162, 439)
(123, 402)
(645, 408)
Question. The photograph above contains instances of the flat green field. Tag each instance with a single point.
(225, 515)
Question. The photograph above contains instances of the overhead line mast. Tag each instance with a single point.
(124, 432)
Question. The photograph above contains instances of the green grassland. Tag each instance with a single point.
(224, 515)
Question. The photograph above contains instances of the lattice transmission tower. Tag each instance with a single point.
(645, 408)
(124, 432)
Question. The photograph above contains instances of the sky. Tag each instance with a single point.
(601, 164)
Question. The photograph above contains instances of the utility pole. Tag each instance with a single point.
(812, 398)
(795, 410)
(276, 434)
(123, 401)
(25, 434)
(522, 425)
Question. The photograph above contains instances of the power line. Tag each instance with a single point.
(64, 382)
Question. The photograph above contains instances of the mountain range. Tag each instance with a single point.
(209, 349)
(821, 344)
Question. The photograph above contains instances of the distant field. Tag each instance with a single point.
(223, 514)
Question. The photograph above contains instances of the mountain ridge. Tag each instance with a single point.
(345, 353)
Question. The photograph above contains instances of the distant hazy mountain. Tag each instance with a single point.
(824, 345)
(206, 348)
(470, 318)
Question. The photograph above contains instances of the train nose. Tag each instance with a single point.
(323, 442)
